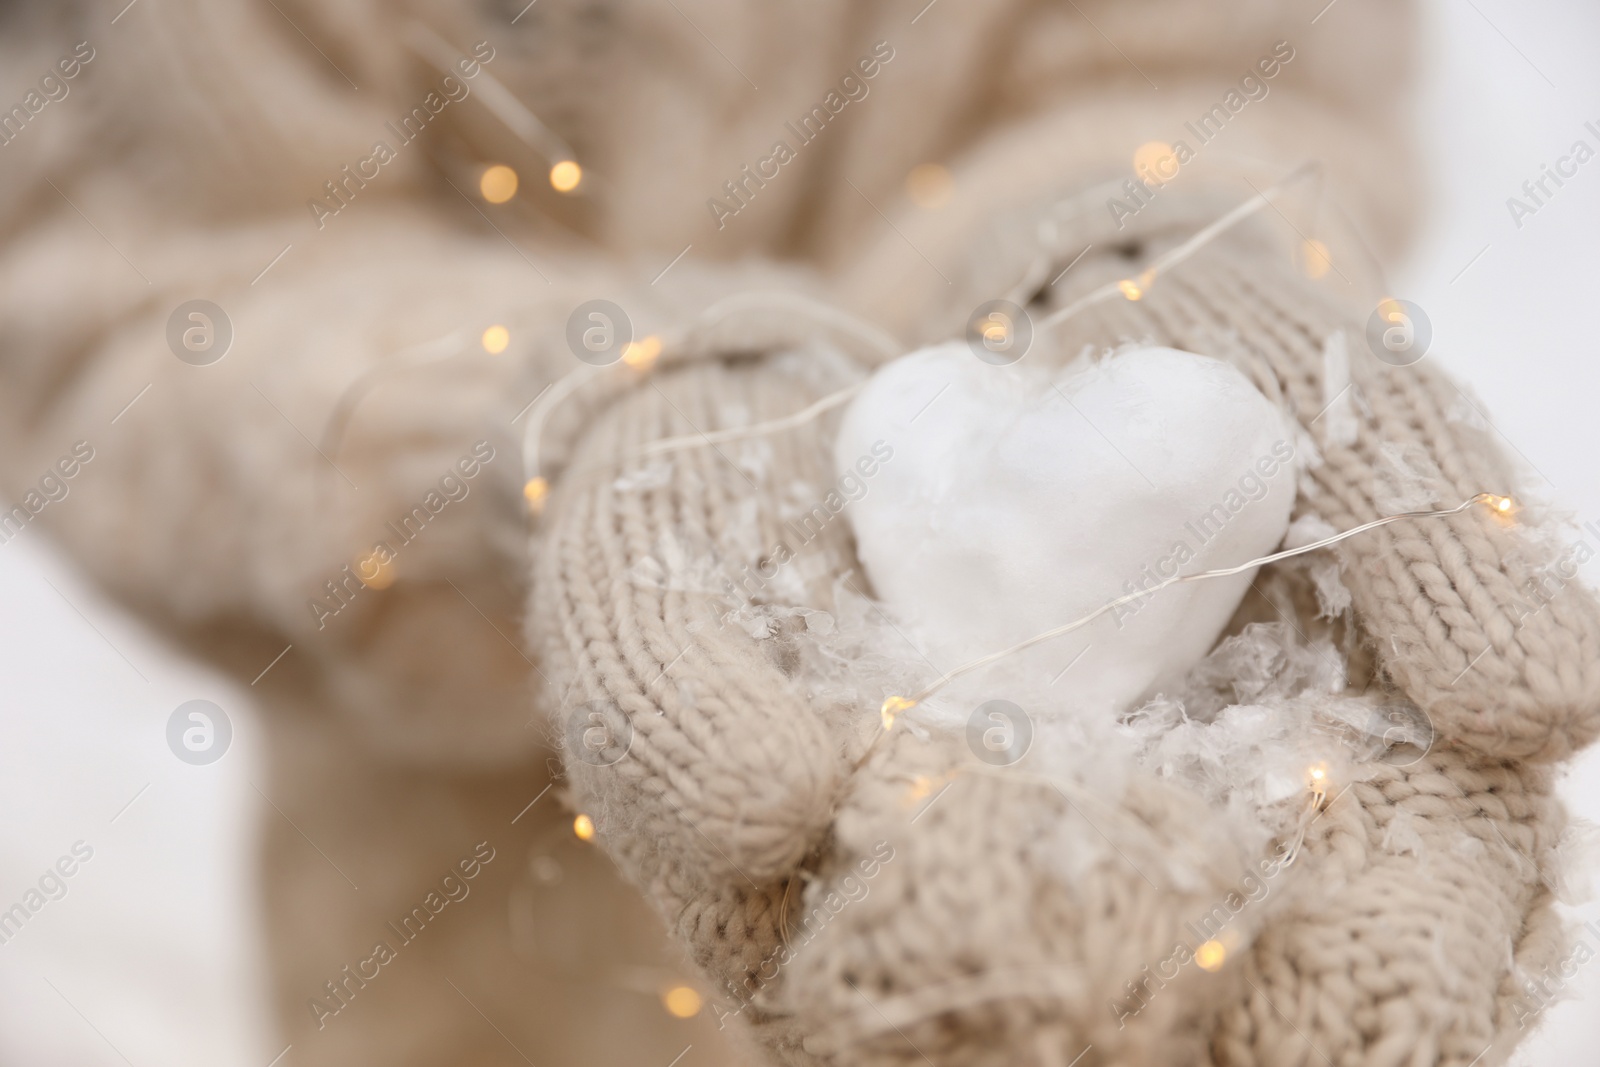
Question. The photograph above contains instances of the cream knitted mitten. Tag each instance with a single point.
(842, 917)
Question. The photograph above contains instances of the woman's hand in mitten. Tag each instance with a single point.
(1474, 619)
(1425, 886)
(714, 779)
(707, 772)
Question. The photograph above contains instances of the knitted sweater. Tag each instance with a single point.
(229, 151)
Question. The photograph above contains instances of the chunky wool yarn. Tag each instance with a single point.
(749, 815)
(186, 164)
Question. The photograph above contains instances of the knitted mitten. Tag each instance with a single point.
(844, 907)
(1425, 891)
(707, 774)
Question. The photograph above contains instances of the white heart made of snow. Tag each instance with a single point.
(1017, 499)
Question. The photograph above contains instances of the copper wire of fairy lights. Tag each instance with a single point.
(639, 359)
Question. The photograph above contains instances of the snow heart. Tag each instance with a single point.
(1022, 499)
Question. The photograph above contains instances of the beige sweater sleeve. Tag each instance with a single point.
(181, 164)
(337, 466)
(1241, 95)
(1067, 197)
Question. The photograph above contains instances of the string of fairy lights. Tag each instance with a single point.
(1317, 776)
(499, 183)
(641, 362)
(638, 358)
(894, 706)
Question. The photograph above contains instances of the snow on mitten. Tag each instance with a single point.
(1445, 603)
(1431, 886)
(1013, 917)
(707, 774)
(1423, 900)
(671, 624)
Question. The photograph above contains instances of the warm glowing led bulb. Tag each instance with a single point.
(535, 492)
(1130, 288)
(892, 707)
(681, 1002)
(641, 355)
(1503, 504)
(583, 827)
(498, 184)
(1211, 955)
(565, 176)
(375, 573)
(1155, 162)
(1314, 258)
(929, 186)
(495, 340)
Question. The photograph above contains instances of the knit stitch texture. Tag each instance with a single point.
(1398, 935)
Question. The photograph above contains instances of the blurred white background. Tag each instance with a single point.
(1507, 88)
(152, 958)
